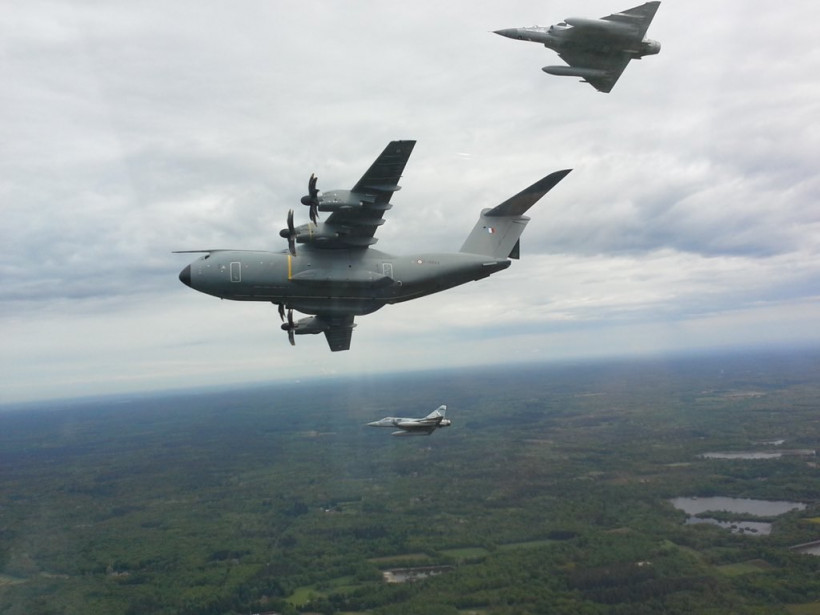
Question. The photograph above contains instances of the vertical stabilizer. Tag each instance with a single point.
(437, 412)
(498, 230)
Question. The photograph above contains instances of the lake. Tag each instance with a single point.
(743, 506)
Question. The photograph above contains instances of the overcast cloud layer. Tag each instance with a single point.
(131, 129)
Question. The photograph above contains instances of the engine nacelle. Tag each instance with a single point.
(574, 71)
(306, 326)
(310, 233)
(343, 199)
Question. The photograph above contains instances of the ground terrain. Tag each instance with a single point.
(550, 493)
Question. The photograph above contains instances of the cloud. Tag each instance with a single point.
(132, 130)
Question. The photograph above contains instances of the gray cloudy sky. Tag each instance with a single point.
(131, 129)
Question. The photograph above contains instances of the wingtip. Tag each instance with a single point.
(550, 180)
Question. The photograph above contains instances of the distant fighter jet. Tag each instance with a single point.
(335, 276)
(415, 427)
(597, 50)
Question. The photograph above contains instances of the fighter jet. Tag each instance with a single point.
(415, 427)
(597, 50)
(335, 276)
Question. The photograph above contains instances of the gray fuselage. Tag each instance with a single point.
(343, 281)
(562, 38)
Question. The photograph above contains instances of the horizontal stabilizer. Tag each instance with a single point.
(521, 202)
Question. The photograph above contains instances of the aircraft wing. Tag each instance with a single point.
(604, 50)
(640, 17)
(612, 66)
(357, 223)
(338, 331)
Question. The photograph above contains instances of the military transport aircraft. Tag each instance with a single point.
(597, 50)
(334, 276)
(415, 427)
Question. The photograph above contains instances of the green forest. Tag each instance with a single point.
(550, 493)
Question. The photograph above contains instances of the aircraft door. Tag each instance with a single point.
(236, 272)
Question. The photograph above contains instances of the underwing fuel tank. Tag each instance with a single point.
(574, 71)
(404, 434)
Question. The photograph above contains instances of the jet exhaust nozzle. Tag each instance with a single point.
(650, 47)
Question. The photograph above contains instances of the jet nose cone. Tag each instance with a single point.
(185, 276)
(508, 32)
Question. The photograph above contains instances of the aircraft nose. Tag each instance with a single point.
(185, 275)
(508, 32)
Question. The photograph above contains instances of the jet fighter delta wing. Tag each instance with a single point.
(637, 18)
(335, 276)
(597, 50)
(599, 70)
(415, 427)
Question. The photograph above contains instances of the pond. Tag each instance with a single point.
(743, 506)
(808, 549)
(756, 528)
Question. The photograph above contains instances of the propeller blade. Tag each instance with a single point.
(282, 312)
(313, 198)
(291, 234)
(289, 326)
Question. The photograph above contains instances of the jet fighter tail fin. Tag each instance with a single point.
(438, 412)
(498, 230)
